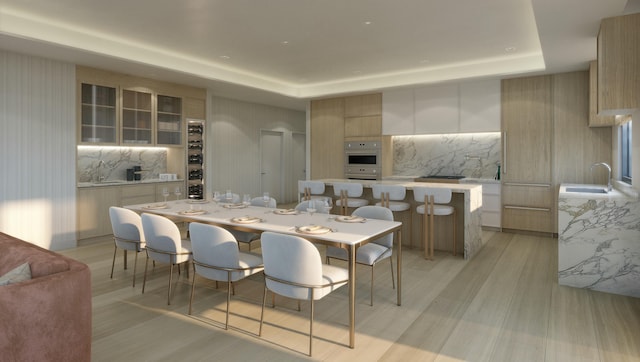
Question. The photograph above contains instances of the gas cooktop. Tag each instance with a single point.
(444, 177)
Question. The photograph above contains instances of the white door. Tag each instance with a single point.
(271, 152)
(299, 151)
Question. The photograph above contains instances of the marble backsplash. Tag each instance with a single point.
(474, 155)
(117, 160)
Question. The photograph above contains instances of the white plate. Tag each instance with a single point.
(196, 201)
(246, 220)
(155, 207)
(285, 212)
(313, 229)
(192, 212)
(350, 219)
(234, 206)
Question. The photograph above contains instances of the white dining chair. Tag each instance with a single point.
(392, 197)
(433, 199)
(371, 253)
(127, 235)
(216, 257)
(319, 205)
(259, 201)
(246, 237)
(310, 189)
(349, 195)
(164, 245)
(293, 268)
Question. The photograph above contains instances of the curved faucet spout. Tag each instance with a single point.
(609, 186)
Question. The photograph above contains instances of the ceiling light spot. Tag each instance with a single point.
(284, 42)
(510, 49)
(225, 57)
(368, 23)
(424, 61)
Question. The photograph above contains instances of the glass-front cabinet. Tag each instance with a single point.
(98, 121)
(169, 116)
(136, 117)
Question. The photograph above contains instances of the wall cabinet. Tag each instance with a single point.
(397, 112)
(619, 65)
(437, 109)
(136, 117)
(596, 120)
(480, 106)
(169, 121)
(527, 193)
(98, 113)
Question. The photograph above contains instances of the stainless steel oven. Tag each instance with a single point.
(363, 160)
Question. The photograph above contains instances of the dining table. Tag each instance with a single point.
(321, 228)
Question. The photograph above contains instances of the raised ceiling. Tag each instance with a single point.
(287, 51)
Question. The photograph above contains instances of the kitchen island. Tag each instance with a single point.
(599, 240)
(467, 199)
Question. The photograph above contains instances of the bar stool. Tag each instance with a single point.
(310, 189)
(349, 196)
(391, 197)
(433, 199)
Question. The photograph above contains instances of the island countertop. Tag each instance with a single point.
(472, 205)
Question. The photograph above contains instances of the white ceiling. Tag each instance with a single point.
(283, 52)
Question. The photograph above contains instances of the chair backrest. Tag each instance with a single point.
(291, 259)
(319, 204)
(215, 246)
(315, 187)
(126, 225)
(440, 195)
(396, 192)
(161, 234)
(353, 189)
(259, 201)
(378, 213)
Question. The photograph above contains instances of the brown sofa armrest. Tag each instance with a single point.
(47, 318)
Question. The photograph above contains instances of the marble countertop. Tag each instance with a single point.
(122, 183)
(459, 187)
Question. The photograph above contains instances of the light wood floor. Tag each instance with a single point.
(504, 305)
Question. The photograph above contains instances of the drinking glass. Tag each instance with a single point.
(178, 192)
(216, 197)
(311, 208)
(165, 193)
(228, 196)
(246, 199)
(328, 205)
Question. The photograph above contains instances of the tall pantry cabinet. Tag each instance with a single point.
(527, 186)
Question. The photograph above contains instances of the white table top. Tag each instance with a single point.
(343, 232)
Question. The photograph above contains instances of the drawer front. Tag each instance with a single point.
(491, 189)
(526, 195)
(138, 190)
(529, 219)
(491, 203)
(491, 218)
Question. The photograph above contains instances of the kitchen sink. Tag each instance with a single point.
(588, 190)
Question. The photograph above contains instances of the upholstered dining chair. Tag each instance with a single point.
(310, 189)
(216, 257)
(319, 205)
(349, 194)
(127, 235)
(164, 245)
(392, 197)
(259, 201)
(293, 268)
(369, 254)
(249, 237)
(433, 199)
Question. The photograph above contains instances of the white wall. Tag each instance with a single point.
(233, 144)
(38, 150)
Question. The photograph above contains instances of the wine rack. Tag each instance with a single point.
(195, 159)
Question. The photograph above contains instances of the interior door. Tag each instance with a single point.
(299, 151)
(271, 165)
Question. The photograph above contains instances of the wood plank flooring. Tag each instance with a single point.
(503, 305)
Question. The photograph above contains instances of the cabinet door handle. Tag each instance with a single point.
(526, 184)
(504, 153)
(527, 208)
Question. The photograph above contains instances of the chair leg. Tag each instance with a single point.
(393, 279)
(454, 232)
(135, 266)
(170, 281)
(125, 260)
(113, 263)
(193, 289)
(311, 325)
(425, 234)
(371, 288)
(226, 323)
(144, 280)
(264, 301)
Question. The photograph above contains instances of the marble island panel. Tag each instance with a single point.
(599, 241)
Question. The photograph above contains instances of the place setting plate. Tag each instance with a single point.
(155, 206)
(246, 219)
(285, 212)
(234, 206)
(197, 201)
(351, 218)
(312, 229)
(192, 212)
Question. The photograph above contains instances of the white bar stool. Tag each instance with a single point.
(433, 199)
(310, 189)
(391, 197)
(349, 196)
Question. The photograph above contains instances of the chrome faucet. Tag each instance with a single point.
(609, 187)
(100, 168)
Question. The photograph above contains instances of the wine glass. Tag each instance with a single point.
(216, 197)
(228, 196)
(246, 199)
(311, 208)
(178, 192)
(266, 199)
(165, 193)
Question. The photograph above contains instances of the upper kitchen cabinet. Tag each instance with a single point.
(619, 65)
(397, 112)
(169, 118)
(436, 109)
(327, 138)
(136, 117)
(98, 114)
(596, 120)
(363, 116)
(480, 106)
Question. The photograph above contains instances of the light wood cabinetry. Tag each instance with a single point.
(619, 65)
(136, 117)
(527, 193)
(327, 138)
(137, 194)
(596, 120)
(169, 121)
(97, 113)
(363, 105)
(362, 116)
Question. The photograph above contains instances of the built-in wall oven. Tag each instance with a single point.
(363, 160)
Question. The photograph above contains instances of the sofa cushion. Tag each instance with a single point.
(14, 252)
(17, 275)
